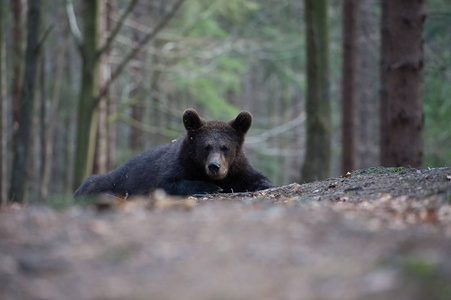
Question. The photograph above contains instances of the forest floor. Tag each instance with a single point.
(377, 234)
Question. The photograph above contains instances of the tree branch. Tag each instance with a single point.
(116, 29)
(278, 130)
(74, 29)
(141, 44)
(44, 38)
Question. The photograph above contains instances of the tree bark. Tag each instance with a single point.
(404, 69)
(349, 87)
(87, 107)
(43, 126)
(52, 122)
(111, 108)
(318, 154)
(112, 134)
(100, 161)
(368, 86)
(17, 10)
(3, 108)
(88, 100)
(384, 72)
(136, 140)
(19, 176)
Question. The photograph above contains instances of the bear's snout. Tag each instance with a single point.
(216, 166)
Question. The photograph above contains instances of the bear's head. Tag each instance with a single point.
(215, 145)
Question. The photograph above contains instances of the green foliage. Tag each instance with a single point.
(231, 38)
(231, 10)
(213, 69)
(209, 87)
(380, 170)
(207, 27)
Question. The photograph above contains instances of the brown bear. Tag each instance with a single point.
(207, 158)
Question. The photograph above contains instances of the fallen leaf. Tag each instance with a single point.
(346, 175)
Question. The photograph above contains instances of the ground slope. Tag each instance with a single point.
(377, 234)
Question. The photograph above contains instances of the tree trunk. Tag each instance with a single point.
(112, 134)
(18, 179)
(3, 108)
(111, 106)
(349, 87)
(17, 10)
(87, 106)
(317, 158)
(136, 135)
(88, 101)
(403, 144)
(52, 122)
(384, 72)
(368, 85)
(100, 160)
(43, 127)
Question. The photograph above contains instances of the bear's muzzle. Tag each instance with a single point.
(216, 166)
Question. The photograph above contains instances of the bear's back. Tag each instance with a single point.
(142, 173)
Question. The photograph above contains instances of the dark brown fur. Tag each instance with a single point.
(208, 158)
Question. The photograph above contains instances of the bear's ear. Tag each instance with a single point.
(191, 120)
(242, 123)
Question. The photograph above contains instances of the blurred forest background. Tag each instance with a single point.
(219, 57)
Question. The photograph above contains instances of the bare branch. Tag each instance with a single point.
(278, 130)
(44, 38)
(141, 44)
(118, 27)
(169, 133)
(76, 33)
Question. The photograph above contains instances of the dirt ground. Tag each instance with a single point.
(377, 234)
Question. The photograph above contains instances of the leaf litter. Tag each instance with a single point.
(375, 234)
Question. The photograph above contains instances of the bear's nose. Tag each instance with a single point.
(214, 167)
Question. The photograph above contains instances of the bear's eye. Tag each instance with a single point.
(208, 148)
(224, 148)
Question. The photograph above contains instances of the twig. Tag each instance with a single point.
(141, 44)
(44, 38)
(169, 133)
(277, 130)
(74, 29)
(116, 29)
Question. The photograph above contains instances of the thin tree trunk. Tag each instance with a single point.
(43, 126)
(349, 87)
(112, 133)
(52, 122)
(136, 112)
(17, 10)
(111, 106)
(318, 155)
(367, 82)
(404, 84)
(19, 176)
(100, 155)
(87, 108)
(384, 133)
(3, 108)
(100, 161)
(70, 151)
(91, 52)
(136, 139)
